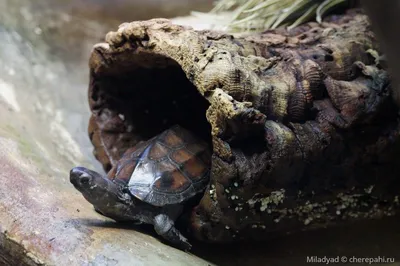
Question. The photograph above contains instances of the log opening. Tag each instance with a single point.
(144, 98)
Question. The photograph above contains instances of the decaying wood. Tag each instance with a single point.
(302, 124)
(385, 21)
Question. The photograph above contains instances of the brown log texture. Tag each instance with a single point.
(302, 124)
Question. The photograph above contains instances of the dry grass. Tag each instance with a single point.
(259, 15)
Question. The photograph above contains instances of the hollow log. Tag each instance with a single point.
(302, 124)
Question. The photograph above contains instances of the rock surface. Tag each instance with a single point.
(43, 120)
(44, 221)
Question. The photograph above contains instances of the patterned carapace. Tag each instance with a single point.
(167, 169)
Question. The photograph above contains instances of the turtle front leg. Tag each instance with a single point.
(164, 226)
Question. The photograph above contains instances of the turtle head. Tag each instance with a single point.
(88, 182)
(101, 192)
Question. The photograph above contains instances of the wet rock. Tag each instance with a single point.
(43, 122)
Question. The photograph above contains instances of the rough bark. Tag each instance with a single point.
(302, 124)
(385, 22)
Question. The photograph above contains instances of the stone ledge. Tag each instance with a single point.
(45, 221)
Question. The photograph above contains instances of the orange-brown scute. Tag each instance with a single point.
(180, 181)
(158, 151)
(135, 151)
(165, 166)
(125, 171)
(173, 181)
(180, 156)
(172, 140)
(194, 168)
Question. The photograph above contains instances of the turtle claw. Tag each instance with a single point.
(177, 239)
(98, 211)
(185, 245)
(164, 226)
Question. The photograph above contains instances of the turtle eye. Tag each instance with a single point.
(85, 180)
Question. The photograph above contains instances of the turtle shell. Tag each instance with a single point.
(170, 168)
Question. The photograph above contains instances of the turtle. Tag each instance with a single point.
(152, 182)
